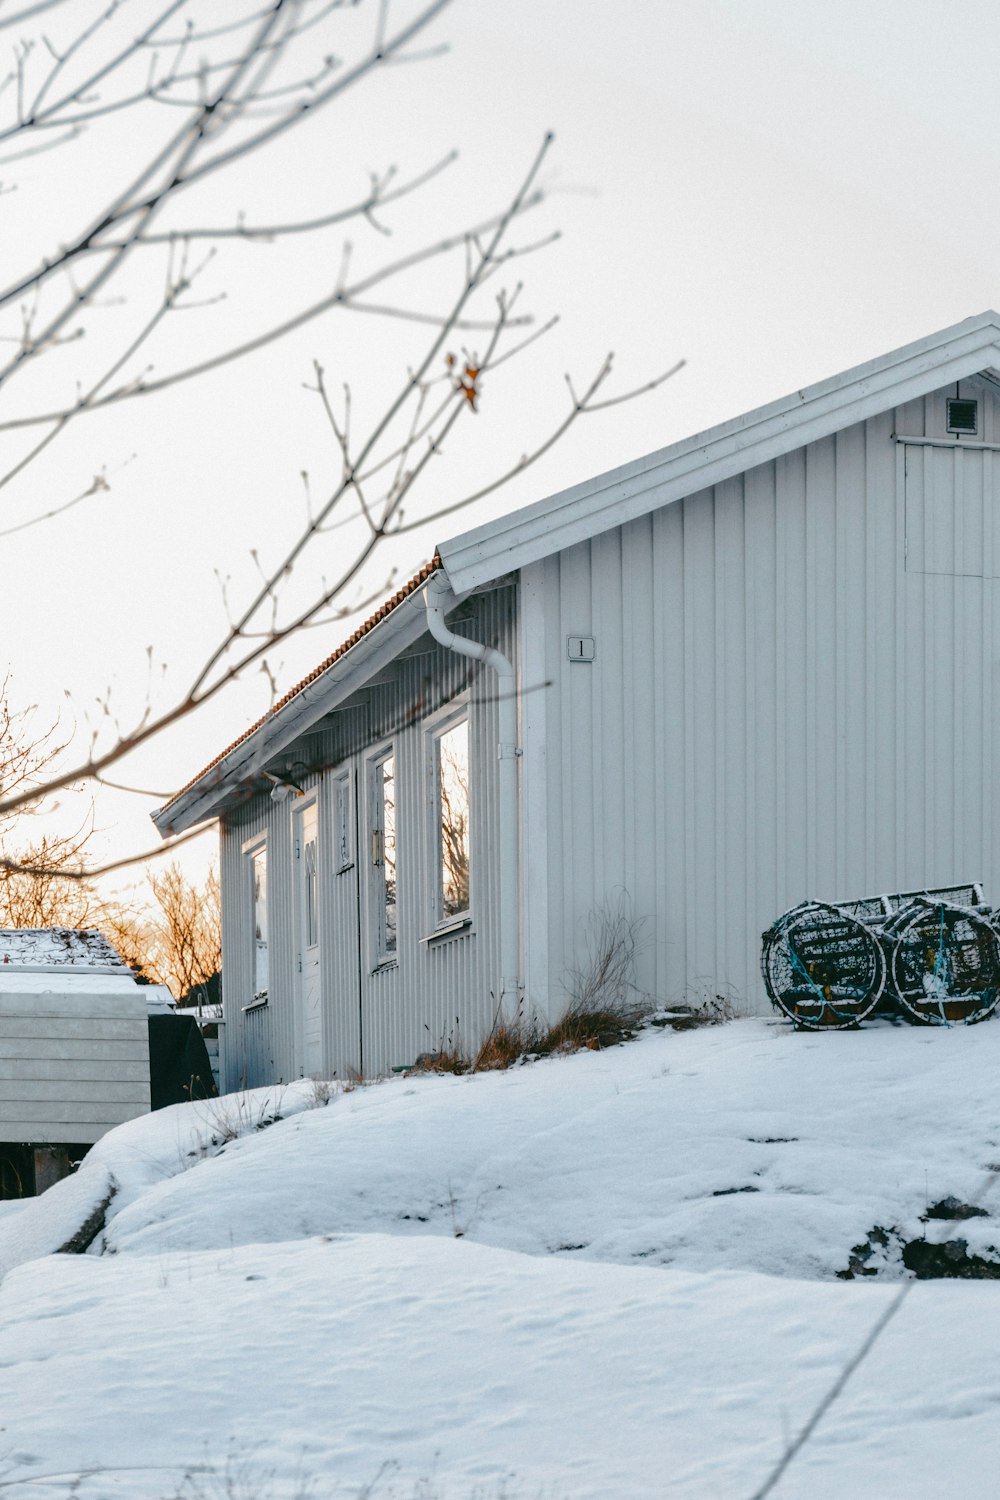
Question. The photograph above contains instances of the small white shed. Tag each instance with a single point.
(74, 1051)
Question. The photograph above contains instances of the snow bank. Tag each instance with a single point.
(477, 1368)
(130, 1159)
(741, 1147)
(544, 1283)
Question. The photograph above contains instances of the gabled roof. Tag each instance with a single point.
(354, 661)
(584, 511)
(479, 557)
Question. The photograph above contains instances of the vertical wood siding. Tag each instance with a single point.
(794, 695)
(436, 994)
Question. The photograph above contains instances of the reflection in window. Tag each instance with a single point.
(311, 893)
(258, 873)
(385, 851)
(343, 816)
(452, 774)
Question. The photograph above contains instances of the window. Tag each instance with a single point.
(258, 890)
(384, 855)
(310, 891)
(450, 774)
(343, 858)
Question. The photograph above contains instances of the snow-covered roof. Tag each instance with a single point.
(59, 948)
(477, 558)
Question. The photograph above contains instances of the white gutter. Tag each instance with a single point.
(437, 596)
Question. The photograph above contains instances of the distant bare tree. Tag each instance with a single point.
(194, 101)
(187, 932)
(129, 932)
(453, 782)
(178, 944)
(41, 886)
(51, 895)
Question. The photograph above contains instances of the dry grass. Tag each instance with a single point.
(523, 1040)
(604, 1009)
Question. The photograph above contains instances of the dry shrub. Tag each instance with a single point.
(605, 1006)
(516, 1041)
(507, 1044)
(589, 1029)
(604, 1009)
(448, 1060)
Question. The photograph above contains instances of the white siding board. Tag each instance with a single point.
(988, 693)
(73, 1069)
(667, 733)
(31, 1116)
(730, 715)
(65, 1100)
(579, 867)
(534, 818)
(761, 866)
(642, 816)
(608, 713)
(554, 761)
(87, 1052)
(796, 647)
(94, 1009)
(108, 1032)
(901, 763)
(64, 1132)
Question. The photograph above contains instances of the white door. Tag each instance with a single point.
(307, 880)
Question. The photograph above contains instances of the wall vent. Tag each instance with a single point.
(963, 416)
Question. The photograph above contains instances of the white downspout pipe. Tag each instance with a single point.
(438, 596)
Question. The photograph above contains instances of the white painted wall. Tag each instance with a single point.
(783, 702)
(74, 1055)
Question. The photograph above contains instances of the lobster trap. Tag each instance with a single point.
(932, 956)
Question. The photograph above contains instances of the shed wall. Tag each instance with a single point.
(437, 993)
(786, 701)
(72, 1066)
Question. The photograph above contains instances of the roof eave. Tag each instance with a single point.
(205, 798)
(524, 536)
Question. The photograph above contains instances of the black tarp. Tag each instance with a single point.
(179, 1069)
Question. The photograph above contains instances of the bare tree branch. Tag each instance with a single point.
(343, 297)
(379, 464)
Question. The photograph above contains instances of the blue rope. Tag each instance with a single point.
(942, 969)
(824, 999)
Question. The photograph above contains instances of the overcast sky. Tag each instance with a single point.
(772, 190)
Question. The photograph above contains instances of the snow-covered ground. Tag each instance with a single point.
(605, 1277)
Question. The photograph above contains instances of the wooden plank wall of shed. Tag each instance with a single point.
(410, 1007)
(777, 710)
(72, 1065)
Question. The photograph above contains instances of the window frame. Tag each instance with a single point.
(435, 729)
(344, 853)
(382, 954)
(307, 895)
(250, 852)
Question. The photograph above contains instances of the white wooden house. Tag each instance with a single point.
(74, 1051)
(757, 665)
